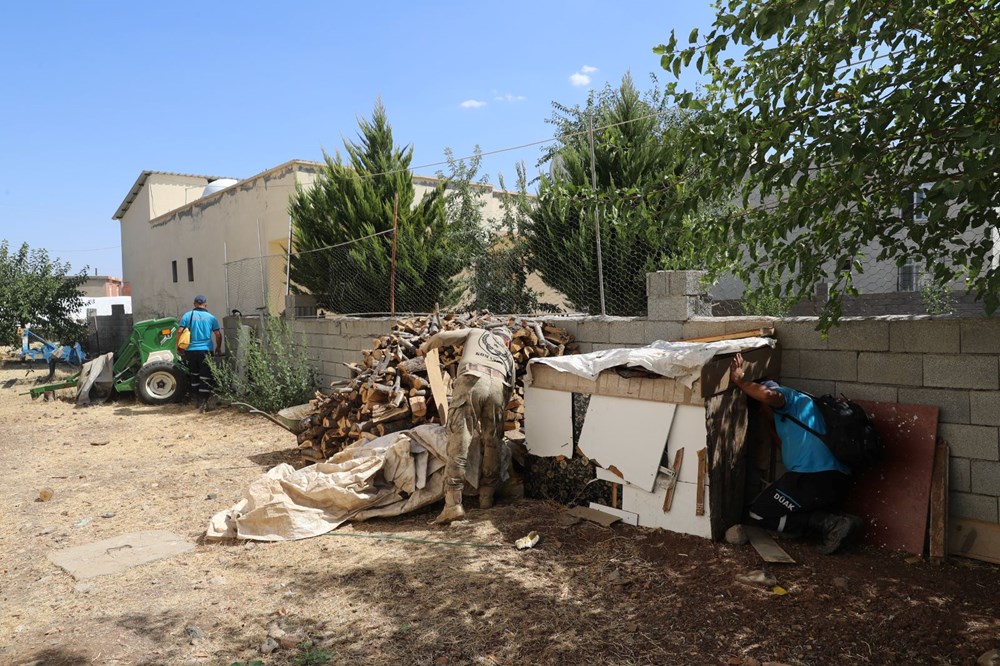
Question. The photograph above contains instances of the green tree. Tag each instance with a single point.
(39, 291)
(836, 114)
(634, 199)
(352, 201)
(497, 276)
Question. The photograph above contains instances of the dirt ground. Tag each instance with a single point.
(585, 594)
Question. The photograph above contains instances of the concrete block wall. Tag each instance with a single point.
(949, 362)
(107, 333)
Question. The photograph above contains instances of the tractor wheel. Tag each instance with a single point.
(160, 383)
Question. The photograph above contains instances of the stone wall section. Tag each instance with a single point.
(949, 362)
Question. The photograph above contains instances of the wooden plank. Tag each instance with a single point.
(752, 333)
(699, 507)
(668, 499)
(939, 503)
(609, 383)
(626, 517)
(766, 547)
(438, 389)
(602, 518)
(976, 539)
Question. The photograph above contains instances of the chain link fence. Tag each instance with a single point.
(370, 276)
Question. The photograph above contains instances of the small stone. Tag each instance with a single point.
(103, 442)
(269, 645)
(288, 641)
(736, 535)
(758, 577)
(274, 631)
(83, 588)
(750, 661)
(991, 658)
(211, 496)
(840, 582)
(194, 634)
(441, 661)
(45, 494)
(109, 514)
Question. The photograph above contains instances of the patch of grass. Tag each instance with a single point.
(311, 656)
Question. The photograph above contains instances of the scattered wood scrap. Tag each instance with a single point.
(766, 547)
(390, 389)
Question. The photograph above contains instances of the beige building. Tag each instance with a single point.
(184, 235)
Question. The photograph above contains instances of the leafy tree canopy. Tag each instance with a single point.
(835, 115)
(350, 202)
(642, 229)
(496, 277)
(38, 291)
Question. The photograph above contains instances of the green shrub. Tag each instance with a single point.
(268, 371)
(937, 298)
(765, 303)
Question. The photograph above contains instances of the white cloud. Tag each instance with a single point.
(579, 79)
(473, 104)
(508, 97)
(587, 69)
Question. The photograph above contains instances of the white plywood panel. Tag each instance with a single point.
(608, 475)
(681, 517)
(548, 422)
(627, 517)
(688, 431)
(627, 434)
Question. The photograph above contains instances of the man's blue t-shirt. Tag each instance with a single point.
(802, 451)
(202, 324)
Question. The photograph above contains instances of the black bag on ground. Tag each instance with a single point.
(850, 433)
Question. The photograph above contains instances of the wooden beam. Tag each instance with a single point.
(766, 546)
(939, 503)
(699, 507)
(974, 538)
(438, 389)
(668, 499)
(753, 333)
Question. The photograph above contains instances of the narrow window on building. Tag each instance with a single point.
(173, 269)
(190, 269)
(908, 278)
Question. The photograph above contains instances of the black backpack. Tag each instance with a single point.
(850, 433)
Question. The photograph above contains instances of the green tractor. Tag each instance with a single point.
(147, 364)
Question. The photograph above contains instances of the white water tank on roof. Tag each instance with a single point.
(218, 184)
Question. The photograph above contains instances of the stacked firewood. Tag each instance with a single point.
(389, 389)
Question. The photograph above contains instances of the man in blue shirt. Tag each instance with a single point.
(206, 336)
(815, 481)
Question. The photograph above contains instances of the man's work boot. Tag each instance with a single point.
(452, 507)
(835, 529)
(486, 497)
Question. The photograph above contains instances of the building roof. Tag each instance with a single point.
(141, 181)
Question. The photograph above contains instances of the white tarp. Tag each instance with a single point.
(678, 360)
(388, 476)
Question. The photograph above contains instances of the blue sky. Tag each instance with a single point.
(96, 92)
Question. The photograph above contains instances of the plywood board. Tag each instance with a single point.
(548, 422)
(893, 497)
(766, 547)
(593, 515)
(609, 383)
(681, 517)
(627, 434)
(119, 553)
(626, 517)
(974, 538)
(688, 431)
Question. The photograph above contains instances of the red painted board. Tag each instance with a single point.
(893, 497)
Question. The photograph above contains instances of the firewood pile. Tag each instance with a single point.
(389, 389)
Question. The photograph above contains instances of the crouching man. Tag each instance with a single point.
(804, 497)
(476, 411)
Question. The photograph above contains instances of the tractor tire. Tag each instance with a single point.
(160, 383)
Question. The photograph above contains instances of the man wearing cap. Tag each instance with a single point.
(206, 336)
(802, 499)
(479, 397)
